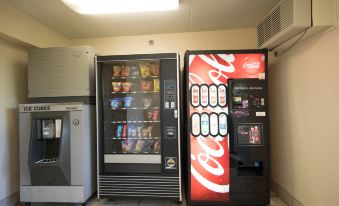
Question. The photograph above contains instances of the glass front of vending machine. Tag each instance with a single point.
(139, 125)
(133, 132)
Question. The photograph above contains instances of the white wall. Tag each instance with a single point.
(13, 90)
(17, 25)
(177, 42)
(304, 108)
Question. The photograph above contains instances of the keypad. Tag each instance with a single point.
(170, 94)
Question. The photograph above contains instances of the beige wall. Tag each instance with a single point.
(177, 42)
(13, 90)
(304, 103)
(17, 25)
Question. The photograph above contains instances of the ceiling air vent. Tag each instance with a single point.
(287, 19)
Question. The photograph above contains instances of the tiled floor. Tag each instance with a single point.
(275, 201)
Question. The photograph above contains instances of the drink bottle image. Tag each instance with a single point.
(213, 95)
(195, 124)
(204, 95)
(222, 95)
(222, 124)
(205, 124)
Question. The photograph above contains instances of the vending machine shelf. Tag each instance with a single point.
(134, 138)
(136, 92)
(134, 108)
(119, 122)
(123, 78)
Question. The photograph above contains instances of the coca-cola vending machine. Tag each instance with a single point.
(227, 137)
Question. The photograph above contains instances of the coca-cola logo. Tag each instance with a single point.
(252, 65)
(204, 159)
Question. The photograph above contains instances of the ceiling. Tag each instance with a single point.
(193, 15)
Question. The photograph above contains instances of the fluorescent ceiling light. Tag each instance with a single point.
(120, 6)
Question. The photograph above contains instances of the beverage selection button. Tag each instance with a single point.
(172, 104)
(222, 95)
(213, 95)
(195, 124)
(166, 104)
(195, 97)
(204, 122)
(204, 95)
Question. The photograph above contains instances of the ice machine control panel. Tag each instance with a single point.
(170, 94)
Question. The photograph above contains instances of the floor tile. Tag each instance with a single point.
(275, 201)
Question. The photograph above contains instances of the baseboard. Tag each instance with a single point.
(284, 195)
(11, 200)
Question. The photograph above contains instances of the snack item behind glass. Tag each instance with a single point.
(147, 102)
(125, 71)
(116, 71)
(148, 115)
(124, 146)
(150, 148)
(145, 69)
(139, 130)
(131, 145)
(116, 103)
(155, 115)
(156, 85)
(119, 130)
(124, 131)
(155, 68)
(157, 146)
(116, 86)
(149, 129)
(132, 131)
(135, 71)
(144, 132)
(141, 146)
(146, 85)
(128, 101)
(126, 86)
(128, 146)
(154, 146)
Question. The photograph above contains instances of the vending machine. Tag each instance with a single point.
(227, 137)
(138, 121)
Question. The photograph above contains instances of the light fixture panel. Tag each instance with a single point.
(120, 6)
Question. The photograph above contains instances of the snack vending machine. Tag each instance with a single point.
(227, 138)
(138, 126)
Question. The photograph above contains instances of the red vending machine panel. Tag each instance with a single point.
(207, 74)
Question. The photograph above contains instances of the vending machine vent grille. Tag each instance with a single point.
(286, 20)
(139, 186)
(61, 72)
